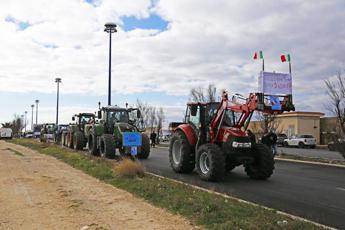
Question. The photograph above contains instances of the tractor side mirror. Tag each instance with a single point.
(193, 110)
(99, 114)
(138, 114)
(73, 118)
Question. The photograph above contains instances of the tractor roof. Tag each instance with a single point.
(85, 114)
(116, 108)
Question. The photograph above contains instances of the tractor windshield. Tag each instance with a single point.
(118, 116)
(229, 118)
(85, 119)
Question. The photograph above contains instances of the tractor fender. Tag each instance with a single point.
(189, 132)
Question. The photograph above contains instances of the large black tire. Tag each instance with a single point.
(63, 139)
(70, 140)
(92, 145)
(181, 154)
(210, 162)
(145, 147)
(107, 146)
(263, 165)
(78, 140)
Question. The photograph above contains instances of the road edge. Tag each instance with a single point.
(244, 201)
(309, 162)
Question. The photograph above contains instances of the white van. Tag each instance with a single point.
(5, 133)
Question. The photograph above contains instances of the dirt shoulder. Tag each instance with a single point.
(41, 192)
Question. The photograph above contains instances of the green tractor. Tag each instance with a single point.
(74, 136)
(106, 136)
(47, 132)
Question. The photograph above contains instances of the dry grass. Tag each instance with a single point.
(128, 168)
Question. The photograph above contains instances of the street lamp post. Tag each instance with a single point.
(26, 112)
(32, 117)
(110, 28)
(36, 101)
(21, 127)
(58, 81)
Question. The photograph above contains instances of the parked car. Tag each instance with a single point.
(280, 139)
(300, 141)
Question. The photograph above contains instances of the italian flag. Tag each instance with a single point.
(285, 58)
(258, 55)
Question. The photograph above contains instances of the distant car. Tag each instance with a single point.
(6, 133)
(300, 141)
(29, 134)
(280, 139)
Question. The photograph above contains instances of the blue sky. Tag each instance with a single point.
(162, 49)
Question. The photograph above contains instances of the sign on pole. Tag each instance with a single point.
(133, 140)
(275, 83)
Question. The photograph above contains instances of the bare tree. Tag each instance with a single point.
(204, 95)
(336, 93)
(267, 122)
(6, 125)
(17, 124)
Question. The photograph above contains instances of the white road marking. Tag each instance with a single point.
(342, 189)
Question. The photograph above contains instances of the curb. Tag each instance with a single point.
(244, 201)
(309, 162)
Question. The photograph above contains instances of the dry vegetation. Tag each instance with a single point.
(128, 168)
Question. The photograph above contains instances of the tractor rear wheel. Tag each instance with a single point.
(210, 162)
(181, 156)
(263, 165)
(78, 140)
(63, 137)
(107, 146)
(145, 147)
(92, 145)
(70, 140)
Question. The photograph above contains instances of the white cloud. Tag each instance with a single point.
(205, 42)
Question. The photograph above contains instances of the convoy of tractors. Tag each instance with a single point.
(101, 134)
(212, 139)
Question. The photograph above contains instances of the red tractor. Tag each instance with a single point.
(213, 137)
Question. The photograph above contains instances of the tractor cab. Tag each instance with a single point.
(82, 119)
(127, 119)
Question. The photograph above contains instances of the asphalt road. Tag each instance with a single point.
(316, 153)
(310, 191)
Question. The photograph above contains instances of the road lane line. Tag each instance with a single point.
(341, 189)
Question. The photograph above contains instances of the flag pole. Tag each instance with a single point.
(263, 65)
(290, 67)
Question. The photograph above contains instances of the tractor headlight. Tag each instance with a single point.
(236, 144)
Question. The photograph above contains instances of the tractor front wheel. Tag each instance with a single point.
(70, 140)
(210, 162)
(145, 147)
(78, 140)
(107, 146)
(263, 165)
(181, 156)
(92, 145)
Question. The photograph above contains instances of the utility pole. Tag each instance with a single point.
(32, 117)
(58, 81)
(37, 101)
(26, 112)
